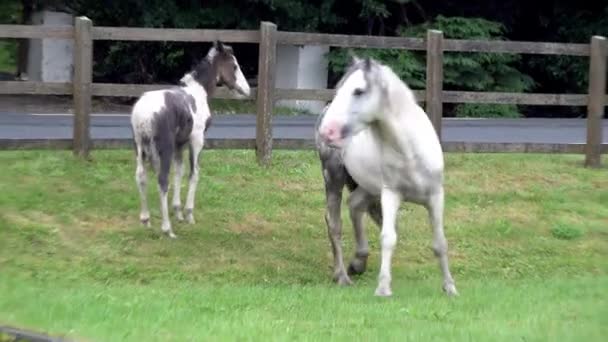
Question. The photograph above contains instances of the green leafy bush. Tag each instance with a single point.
(462, 70)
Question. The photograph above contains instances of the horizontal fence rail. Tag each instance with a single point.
(174, 35)
(269, 37)
(36, 32)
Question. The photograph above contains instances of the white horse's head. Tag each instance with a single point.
(357, 103)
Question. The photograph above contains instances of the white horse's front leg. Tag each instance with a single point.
(177, 184)
(196, 145)
(390, 201)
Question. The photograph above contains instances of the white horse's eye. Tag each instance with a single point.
(358, 92)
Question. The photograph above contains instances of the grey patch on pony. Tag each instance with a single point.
(172, 127)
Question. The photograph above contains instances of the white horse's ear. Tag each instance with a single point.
(218, 45)
(367, 64)
(353, 58)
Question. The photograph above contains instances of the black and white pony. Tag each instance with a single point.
(164, 121)
(374, 138)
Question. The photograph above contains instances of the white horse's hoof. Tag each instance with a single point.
(383, 292)
(450, 290)
(171, 235)
(145, 222)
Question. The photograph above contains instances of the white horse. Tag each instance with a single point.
(375, 132)
(164, 121)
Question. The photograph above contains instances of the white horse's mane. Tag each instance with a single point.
(399, 93)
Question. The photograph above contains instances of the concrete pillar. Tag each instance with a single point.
(302, 67)
(51, 60)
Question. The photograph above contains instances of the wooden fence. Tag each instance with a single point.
(268, 37)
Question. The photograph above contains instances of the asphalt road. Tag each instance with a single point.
(107, 126)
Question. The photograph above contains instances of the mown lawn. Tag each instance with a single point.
(528, 246)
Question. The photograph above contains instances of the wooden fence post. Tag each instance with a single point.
(595, 102)
(265, 92)
(82, 79)
(434, 78)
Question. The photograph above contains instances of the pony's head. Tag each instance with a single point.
(228, 72)
(357, 103)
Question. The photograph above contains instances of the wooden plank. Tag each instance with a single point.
(304, 94)
(501, 46)
(477, 147)
(37, 31)
(434, 78)
(175, 35)
(135, 90)
(35, 88)
(265, 94)
(354, 41)
(514, 98)
(449, 96)
(302, 144)
(595, 106)
(320, 94)
(83, 71)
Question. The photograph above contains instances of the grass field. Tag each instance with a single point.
(528, 241)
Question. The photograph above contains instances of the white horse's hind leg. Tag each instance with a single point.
(196, 145)
(177, 184)
(440, 243)
(141, 180)
(388, 238)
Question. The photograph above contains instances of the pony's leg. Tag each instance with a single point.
(163, 188)
(177, 184)
(141, 180)
(196, 145)
(357, 203)
(440, 243)
(390, 201)
(374, 209)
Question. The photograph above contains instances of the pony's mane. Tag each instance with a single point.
(204, 72)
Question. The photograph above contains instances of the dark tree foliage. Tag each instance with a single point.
(538, 20)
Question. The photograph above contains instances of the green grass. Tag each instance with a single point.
(528, 241)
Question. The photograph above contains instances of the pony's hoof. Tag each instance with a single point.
(382, 291)
(343, 280)
(357, 266)
(450, 290)
(189, 216)
(178, 214)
